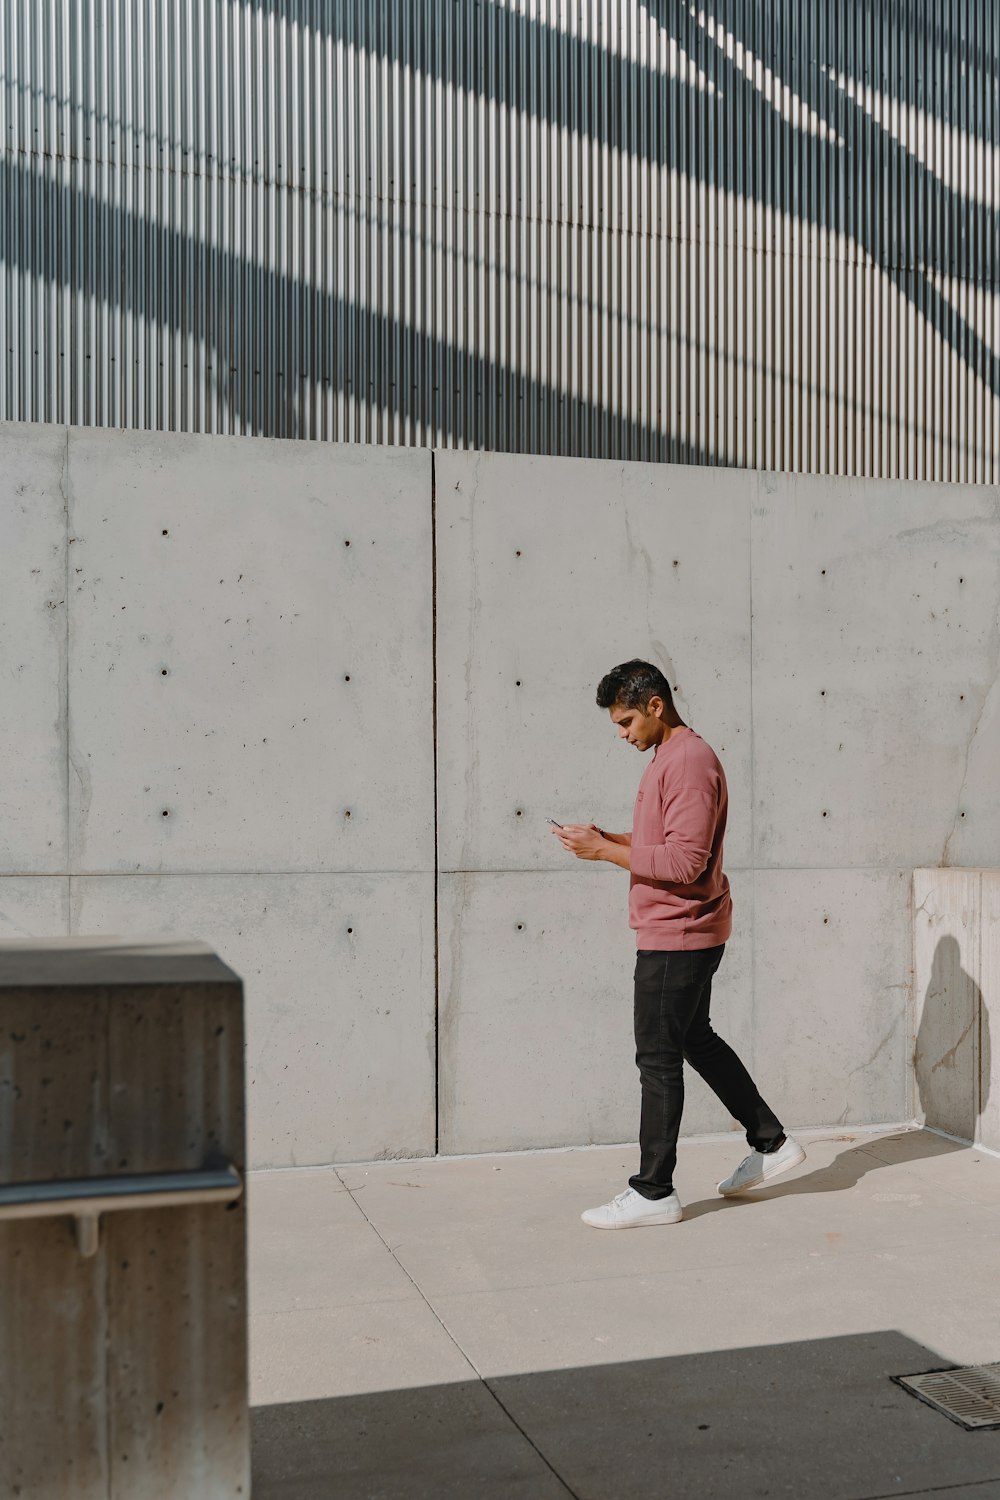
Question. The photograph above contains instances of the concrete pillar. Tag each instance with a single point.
(123, 1352)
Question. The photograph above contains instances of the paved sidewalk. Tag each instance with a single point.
(450, 1328)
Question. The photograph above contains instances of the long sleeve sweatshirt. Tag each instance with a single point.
(679, 897)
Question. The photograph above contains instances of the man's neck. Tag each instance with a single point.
(671, 730)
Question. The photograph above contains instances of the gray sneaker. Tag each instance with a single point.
(761, 1166)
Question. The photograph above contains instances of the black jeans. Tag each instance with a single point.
(672, 995)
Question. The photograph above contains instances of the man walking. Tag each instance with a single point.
(681, 910)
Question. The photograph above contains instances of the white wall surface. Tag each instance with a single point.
(836, 642)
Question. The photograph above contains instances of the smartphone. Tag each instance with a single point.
(553, 822)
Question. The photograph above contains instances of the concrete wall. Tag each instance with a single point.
(835, 641)
(181, 749)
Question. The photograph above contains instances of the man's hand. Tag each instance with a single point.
(583, 840)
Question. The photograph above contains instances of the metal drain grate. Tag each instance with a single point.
(969, 1396)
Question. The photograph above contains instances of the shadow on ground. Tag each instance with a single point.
(845, 1171)
(820, 1419)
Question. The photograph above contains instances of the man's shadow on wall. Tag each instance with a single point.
(951, 1059)
(951, 1064)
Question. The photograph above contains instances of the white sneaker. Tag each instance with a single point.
(630, 1209)
(761, 1166)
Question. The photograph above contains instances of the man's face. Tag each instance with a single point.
(636, 727)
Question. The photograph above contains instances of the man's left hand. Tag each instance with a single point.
(580, 840)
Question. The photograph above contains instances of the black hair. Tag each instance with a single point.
(632, 684)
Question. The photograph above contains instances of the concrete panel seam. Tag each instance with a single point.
(64, 685)
(753, 496)
(434, 709)
(202, 874)
(979, 1101)
(181, 874)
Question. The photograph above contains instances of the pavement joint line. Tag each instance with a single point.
(416, 1286)
(530, 1441)
(479, 1376)
(933, 1489)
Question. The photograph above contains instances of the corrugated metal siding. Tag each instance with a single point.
(760, 233)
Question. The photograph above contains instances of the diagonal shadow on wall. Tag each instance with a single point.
(854, 180)
(347, 339)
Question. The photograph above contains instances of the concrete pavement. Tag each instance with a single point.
(434, 1327)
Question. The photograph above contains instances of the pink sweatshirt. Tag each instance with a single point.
(678, 895)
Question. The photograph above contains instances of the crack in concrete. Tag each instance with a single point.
(641, 557)
(83, 776)
(842, 1119)
(948, 1060)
